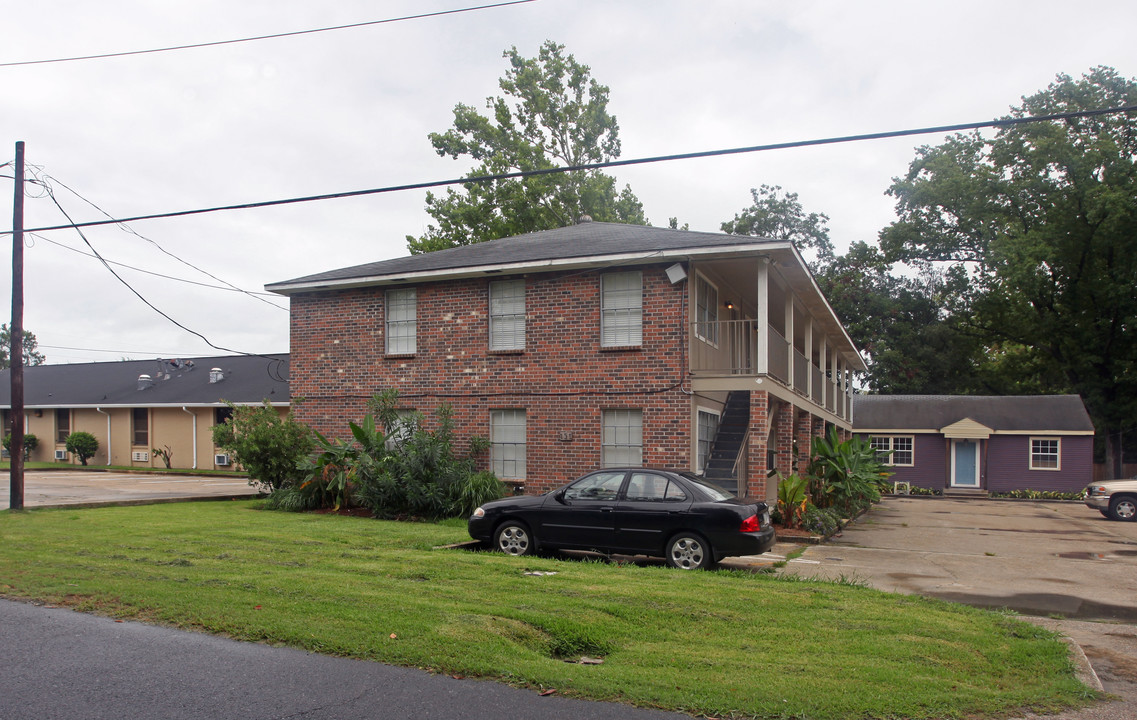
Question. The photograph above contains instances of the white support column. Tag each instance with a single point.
(762, 358)
(808, 352)
(790, 338)
(824, 357)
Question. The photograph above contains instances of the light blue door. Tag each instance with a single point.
(966, 464)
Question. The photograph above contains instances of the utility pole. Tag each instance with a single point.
(16, 352)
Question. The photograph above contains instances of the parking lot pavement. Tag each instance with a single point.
(1060, 562)
(45, 488)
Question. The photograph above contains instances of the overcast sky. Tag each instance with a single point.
(351, 109)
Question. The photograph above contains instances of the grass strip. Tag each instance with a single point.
(724, 643)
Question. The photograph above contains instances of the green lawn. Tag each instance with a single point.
(718, 643)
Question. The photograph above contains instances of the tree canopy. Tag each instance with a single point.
(32, 356)
(1041, 219)
(779, 215)
(552, 113)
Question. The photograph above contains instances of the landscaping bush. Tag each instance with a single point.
(1038, 495)
(269, 446)
(821, 521)
(31, 442)
(83, 445)
(792, 500)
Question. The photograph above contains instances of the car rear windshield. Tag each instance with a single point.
(713, 491)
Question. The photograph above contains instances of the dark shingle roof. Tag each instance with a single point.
(588, 240)
(1006, 413)
(109, 384)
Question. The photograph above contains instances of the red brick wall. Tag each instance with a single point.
(563, 379)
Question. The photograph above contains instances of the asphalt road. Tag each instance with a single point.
(60, 664)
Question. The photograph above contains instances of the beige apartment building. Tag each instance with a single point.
(137, 407)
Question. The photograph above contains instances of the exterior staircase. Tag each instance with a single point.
(729, 441)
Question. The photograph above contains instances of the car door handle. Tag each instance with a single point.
(607, 508)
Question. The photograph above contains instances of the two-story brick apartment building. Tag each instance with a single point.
(594, 344)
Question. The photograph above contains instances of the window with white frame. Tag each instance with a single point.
(623, 438)
(1045, 454)
(706, 310)
(507, 438)
(402, 427)
(402, 321)
(621, 309)
(893, 449)
(507, 315)
(708, 426)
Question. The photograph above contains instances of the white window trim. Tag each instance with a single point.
(522, 461)
(891, 461)
(604, 446)
(514, 315)
(700, 464)
(1058, 452)
(411, 322)
(605, 311)
(712, 323)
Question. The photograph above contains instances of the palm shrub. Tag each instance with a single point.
(792, 500)
(847, 473)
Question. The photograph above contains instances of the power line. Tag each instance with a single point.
(158, 274)
(126, 228)
(1005, 122)
(265, 37)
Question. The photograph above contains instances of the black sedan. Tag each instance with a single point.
(638, 511)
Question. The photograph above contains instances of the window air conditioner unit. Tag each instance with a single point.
(60, 454)
(140, 456)
(221, 459)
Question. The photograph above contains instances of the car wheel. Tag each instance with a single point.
(1123, 508)
(689, 551)
(513, 538)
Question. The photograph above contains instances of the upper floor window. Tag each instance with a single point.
(893, 450)
(140, 423)
(621, 309)
(1045, 454)
(623, 438)
(62, 425)
(706, 310)
(402, 321)
(507, 315)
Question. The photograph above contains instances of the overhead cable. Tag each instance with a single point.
(1005, 122)
(264, 37)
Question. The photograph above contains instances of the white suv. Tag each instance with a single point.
(1116, 499)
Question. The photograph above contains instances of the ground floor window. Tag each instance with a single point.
(893, 449)
(1045, 454)
(62, 425)
(708, 427)
(507, 437)
(140, 422)
(623, 438)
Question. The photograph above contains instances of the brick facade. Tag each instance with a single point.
(563, 378)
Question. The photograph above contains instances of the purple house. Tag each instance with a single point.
(981, 443)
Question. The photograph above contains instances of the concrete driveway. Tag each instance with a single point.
(1062, 563)
(91, 487)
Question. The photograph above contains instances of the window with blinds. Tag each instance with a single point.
(507, 315)
(402, 321)
(623, 438)
(507, 438)
(621, 309)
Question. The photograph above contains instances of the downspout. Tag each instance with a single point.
(194, 416)
(100, 410)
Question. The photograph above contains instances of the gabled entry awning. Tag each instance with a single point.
(967, 429)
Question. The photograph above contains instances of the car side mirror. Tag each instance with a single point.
(560, 497)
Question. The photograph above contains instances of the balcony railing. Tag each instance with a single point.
(730, 348)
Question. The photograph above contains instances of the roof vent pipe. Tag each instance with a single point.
(215, 375)
(145, 381)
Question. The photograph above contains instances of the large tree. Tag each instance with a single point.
(551, 114)
(777, 214)
(1042, 219)
(32, 356)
